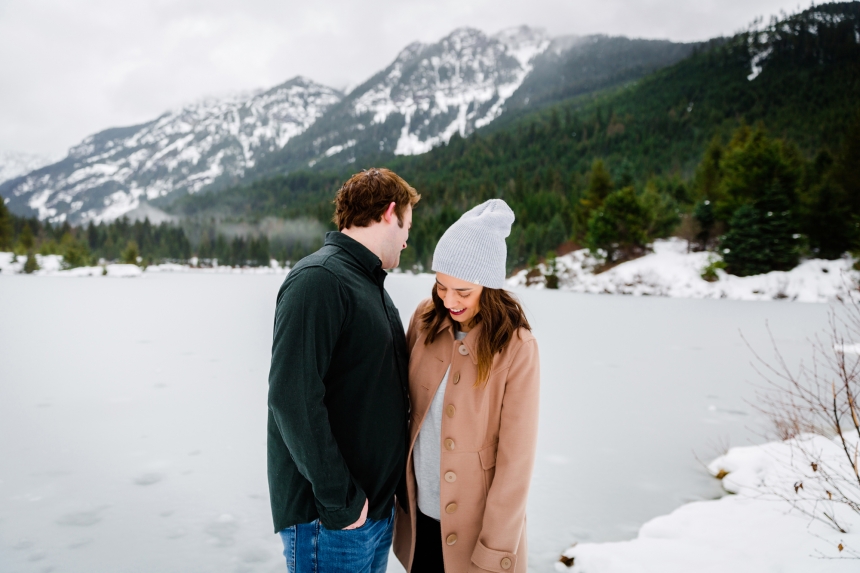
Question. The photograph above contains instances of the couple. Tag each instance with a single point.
(427, 438)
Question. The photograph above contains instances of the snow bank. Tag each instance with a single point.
(753, 531)
(671, 271)
(52, 265)
(47, 263)
(273, 268)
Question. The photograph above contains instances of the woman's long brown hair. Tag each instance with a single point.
(499, 313)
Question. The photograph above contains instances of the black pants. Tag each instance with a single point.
(428, 546)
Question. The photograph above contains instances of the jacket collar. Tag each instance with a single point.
(471, 339)
(362, 255)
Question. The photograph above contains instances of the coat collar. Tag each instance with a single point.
(368, 261)
(471, 340)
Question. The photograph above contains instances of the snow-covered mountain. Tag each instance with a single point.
(426, 95)
(209, 142)
(429, 93)
(16, 163)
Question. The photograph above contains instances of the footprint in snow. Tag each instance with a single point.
(80, 518)
(148, 478)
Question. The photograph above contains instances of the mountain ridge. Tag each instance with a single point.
(198, 145)
(427, 94)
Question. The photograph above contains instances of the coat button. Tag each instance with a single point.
(449, 444)
(463, 350)
(456, 377)
(450, 477)
(450, 409)
(451, 539)
(506, 563)
(451, 508)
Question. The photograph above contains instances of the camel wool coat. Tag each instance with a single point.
(489, 436)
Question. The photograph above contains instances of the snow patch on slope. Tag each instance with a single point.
(673, 272)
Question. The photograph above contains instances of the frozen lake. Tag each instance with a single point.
(133, 413)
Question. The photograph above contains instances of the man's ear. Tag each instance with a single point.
(390, 213)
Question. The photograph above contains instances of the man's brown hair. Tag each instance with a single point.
(363, 199)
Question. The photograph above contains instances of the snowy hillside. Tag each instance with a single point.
(213, 140)
(673, 272)
(429, 93)
(15, 163)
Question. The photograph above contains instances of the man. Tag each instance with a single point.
(338, 398)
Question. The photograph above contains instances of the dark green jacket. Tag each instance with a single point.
(338, 394)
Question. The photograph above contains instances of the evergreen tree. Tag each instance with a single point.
(599, 187)
(620, 226)
(75, 253)
(222, 251)
(258, 251)
(92, 236)
(239, 251)
(703, 213)
(662, 211)
(7, 231)
(131, 253)
(204, 249)
(846, 170)
(753, 165)
(708, 173)
(26, 238)
(826, 213)
(31, 265)
(556, 234)
(760, 238)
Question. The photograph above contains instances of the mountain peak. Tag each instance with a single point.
(200, 144)
(452, 86)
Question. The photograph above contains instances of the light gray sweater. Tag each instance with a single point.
(427, 453)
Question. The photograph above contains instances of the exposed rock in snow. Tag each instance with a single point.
(111, 172)
(671, 271)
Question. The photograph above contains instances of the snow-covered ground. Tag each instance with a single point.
(672, 271)
(669, 271)
(132, 436)
(755, 530)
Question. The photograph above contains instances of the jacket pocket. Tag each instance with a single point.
(488, 464)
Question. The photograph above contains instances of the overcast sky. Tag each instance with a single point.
(70, 68)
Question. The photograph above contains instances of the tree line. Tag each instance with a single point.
(124, 241)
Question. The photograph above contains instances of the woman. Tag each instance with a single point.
(473, 381)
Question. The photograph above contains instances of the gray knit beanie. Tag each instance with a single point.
(473, 249)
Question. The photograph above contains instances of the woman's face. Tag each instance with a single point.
(461, 298)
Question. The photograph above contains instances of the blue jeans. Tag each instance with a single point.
(311, 548)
